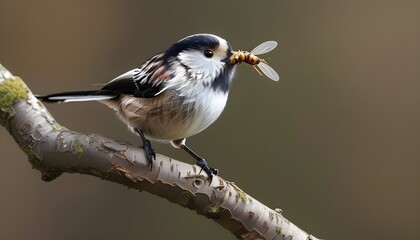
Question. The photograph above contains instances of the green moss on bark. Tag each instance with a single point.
(11, 92)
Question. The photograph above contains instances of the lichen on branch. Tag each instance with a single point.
(12, 90)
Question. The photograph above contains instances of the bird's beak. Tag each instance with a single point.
(229, 59)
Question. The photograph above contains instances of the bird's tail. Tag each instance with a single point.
(78, 96)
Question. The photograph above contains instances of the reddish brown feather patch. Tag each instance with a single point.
(157, 72)
(160, 76)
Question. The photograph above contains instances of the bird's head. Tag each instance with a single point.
(205, 58)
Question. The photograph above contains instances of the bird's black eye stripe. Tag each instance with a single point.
(208, 53)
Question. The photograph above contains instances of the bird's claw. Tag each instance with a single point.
(149, 153)
(207, 169)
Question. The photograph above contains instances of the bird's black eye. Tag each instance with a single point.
(208, 53)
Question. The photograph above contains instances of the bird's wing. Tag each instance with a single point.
(145, 82)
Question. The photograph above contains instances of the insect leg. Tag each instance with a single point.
(256, 69)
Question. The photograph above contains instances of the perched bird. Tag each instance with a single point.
(174, 95)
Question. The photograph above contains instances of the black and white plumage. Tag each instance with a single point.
(176, 94)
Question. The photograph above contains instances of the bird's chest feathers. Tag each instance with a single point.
(208, 105)
(210, 102)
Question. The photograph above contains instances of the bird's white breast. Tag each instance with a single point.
(208, 106)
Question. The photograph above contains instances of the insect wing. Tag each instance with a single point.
(264, 47)
(268, 71)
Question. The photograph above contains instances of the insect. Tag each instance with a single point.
(259, 64)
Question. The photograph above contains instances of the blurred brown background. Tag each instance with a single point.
(334, 143)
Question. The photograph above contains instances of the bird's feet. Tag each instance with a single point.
(207, 169)
(147, 147)
(149, 152)
(200, 162)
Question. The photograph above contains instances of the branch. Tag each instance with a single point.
(53, 150)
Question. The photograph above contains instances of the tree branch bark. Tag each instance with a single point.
(53, 150)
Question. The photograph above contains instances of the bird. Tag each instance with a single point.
(174, 95)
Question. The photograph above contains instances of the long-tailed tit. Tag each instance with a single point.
(177, 93)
